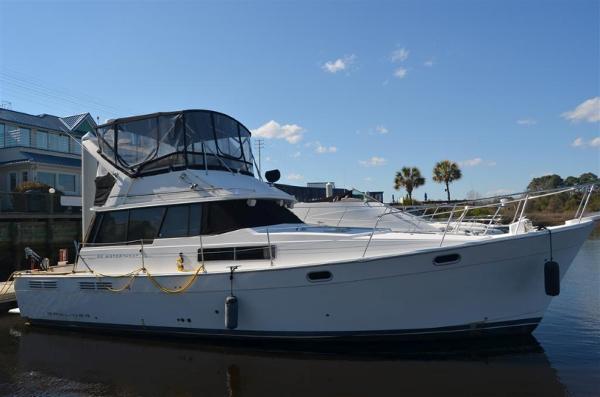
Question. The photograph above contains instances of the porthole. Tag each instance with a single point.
(322, 275)
(447, 259)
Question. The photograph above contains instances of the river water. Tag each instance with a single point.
(562, 358)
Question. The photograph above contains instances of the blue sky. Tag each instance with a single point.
(341, 91)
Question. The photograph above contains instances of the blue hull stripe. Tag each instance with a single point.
(477, 329)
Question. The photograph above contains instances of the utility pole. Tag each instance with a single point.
(260, 144)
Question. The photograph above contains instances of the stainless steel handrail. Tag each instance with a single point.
(519, 211)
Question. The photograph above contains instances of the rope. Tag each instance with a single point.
(9, 282)
(187, 285)
(128, 284)
(132, 276)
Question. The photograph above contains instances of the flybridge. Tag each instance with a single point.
(163, 142)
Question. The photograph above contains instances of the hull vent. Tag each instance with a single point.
(42, 284)
(94, 285)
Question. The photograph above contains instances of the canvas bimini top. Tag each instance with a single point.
(163, 142)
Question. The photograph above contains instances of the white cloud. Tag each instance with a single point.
(400, 73)
(471, 162)
(581, 143)
(526, 121)
(368, 179)
(373, 162)
(588, 111)
(296, 155)
(294, 177)
(339, 64)
(399, 55)
(320, 149)
(381, 129)
(428, 63)
(290, 132)
(578, 142)
(476, 162)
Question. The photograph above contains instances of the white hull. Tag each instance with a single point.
(498, 285)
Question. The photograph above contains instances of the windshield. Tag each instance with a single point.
(165, 141)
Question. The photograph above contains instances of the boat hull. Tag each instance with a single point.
(496, 287)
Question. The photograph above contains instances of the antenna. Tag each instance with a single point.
(6, 105)
(260, 144)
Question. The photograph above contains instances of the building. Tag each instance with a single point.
(46, 149)
(42, 148)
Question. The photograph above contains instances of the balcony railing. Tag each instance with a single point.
(35, 203)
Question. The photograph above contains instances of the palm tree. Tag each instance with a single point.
(408, 178)
(446, 171)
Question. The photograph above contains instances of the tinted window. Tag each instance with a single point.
(53, 141)
(66, 182)
(235, 253)
(225, 216)
(41, 139)
(175, 223)
(195, 220)
(47, 178)
(144, 223)
(113, 228)
(190, 220)
(97, 221)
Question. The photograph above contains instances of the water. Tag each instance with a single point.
(562, 358)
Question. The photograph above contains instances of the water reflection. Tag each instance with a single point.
(74, 364)
(37, 361)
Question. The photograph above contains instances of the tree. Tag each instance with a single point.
(545, 182)
(446, 171)
(408, 178)
(571, 181)
(588, 177)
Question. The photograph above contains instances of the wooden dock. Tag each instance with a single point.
(8, 298)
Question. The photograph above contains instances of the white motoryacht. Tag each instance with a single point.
(186, 240)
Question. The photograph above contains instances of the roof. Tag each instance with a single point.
(112, 122)
(73, 121)
(17, 155)
(46, 121)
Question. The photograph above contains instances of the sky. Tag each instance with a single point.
(342, 91)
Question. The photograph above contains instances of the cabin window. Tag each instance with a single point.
(225, 216)
(144, 223)
(96, 222)
(189, 220)
(175, 223)
(113, 228)
(195, 220)
(182, 221)
(236, 253)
